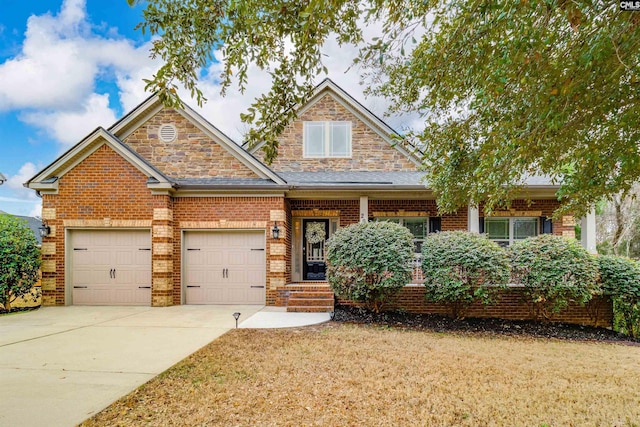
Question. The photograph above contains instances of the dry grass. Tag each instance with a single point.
(346, 375)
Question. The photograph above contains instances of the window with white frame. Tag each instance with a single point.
(417, 226)
(505, 231)
(327, 139)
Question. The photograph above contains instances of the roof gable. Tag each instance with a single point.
(359, 111)
(47, 179)
(129, 124)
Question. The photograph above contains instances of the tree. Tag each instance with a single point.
(508, 89)
(618, 224)
(19, 259)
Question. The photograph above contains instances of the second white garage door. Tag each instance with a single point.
(224, 267)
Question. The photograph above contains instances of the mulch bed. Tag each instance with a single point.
(439, 323)
(17, 309)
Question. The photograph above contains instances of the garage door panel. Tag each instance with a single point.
(110, 268)
(229, 269)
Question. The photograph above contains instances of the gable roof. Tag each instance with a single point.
(328, 86)
(47, 179)
(152, 105)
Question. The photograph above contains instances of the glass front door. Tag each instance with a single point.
(315, 234)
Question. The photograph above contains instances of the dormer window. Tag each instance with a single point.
(327, 139)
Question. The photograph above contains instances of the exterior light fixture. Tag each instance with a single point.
(275, 231)
(3, 179)
(236, 315)
(44, 229)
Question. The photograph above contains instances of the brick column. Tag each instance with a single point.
(52, 291)
(277, 255)
(162, 252)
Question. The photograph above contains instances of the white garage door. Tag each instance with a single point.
(224, 267)
(111, 267)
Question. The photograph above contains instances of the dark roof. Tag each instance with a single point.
(403, 178)
(226, 182)
(33, 223)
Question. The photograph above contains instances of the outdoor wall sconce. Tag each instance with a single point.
(3, 179)
(236, 315)
(44, 230)
(275, 231)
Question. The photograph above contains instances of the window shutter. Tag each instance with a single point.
(546, 225)
(481, 225)
(435, 224)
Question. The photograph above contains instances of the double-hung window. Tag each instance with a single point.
(417, 226)
(505, 231)
(327, 139)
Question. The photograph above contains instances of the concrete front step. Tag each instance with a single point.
(309, 309)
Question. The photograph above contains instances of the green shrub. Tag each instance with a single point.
(554, 272)
(461, 267)
(19, 259)
(620, 279)
(368, 262)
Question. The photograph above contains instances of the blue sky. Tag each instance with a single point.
(69, 66)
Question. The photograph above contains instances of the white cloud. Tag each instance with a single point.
(70, 126)
(15, 198)
(51, 82)
(26, 172)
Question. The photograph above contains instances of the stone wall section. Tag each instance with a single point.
(192, 155)
(370, 152)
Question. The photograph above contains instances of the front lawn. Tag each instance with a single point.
(353, 375)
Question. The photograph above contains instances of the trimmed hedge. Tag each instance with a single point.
(460, 267)
(368, 262)
(554, 272)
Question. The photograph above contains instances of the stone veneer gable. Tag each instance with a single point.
(192, 155)
(370, 152)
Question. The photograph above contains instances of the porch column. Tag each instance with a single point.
(364, 209)
(473, 219)
(588, 227)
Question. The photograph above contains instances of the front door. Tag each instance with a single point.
(315, 234)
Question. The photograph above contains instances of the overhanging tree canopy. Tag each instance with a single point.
(507, 89)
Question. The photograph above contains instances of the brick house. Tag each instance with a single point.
(162, 208)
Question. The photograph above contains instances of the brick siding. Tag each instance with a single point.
(104, 189)
(511, 306)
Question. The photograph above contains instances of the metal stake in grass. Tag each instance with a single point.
(235, 316)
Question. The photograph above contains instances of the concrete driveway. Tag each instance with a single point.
(60, 365)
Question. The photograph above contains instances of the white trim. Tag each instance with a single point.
(327, 127)
(329, 88)
(84, 149)
(588, 232)
(364, 209)
(473, 219)
(511, 239)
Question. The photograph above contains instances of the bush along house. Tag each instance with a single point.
(162, 208)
